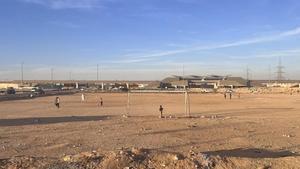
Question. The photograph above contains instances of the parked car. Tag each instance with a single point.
(37, 91)
(10, 90)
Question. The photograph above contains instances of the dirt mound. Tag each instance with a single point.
(144, 159)
(136, 158)
(23, 162)
(122, 159)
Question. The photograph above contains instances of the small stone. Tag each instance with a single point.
(192, 153)
(287, 135)
(136, 150)
(67, 158)
(192, 126)
(177, 157)
(264, 167)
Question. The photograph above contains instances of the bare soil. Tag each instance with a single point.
(254, 131)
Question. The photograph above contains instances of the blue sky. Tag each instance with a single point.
(148, 39)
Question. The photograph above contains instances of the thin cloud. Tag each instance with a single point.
(257, 40)
(67, 4)
(64, 24)
(129, 60)
(272, 54)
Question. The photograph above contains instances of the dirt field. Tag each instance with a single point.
(255, 131)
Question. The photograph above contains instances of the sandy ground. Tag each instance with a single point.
(248, 132)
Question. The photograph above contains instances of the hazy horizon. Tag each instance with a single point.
(148, 40)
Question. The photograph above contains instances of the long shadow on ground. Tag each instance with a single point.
(49, 120)
(252, 153)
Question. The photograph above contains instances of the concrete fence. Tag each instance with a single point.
(29, 95)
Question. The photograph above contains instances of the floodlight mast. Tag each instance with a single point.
(128, 100)
(51, 74)
(97, 72)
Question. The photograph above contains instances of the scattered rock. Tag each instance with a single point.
(227, 118)
(137, 151)
(127, 158)
(214, 117)
(287, 135)
(177, 157)
(264, 167)
(67, 158)
(121, 152)
(192, 126)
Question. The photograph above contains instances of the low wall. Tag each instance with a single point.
(23, 96)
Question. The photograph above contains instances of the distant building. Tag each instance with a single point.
(286, 84)
(7, 85)
(210, 82)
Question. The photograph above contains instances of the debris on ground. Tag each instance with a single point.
(134, 158)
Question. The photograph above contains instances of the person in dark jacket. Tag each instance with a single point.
(161, 109)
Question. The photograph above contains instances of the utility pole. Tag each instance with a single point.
(97, 72)
(22, 72)
(183, 73)
(270, 70)
(128, 100)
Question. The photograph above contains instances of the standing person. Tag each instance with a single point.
(56, 102)
(101, 102)
(82, 97)
(225, 96)
(161, 109)
(230, 95)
